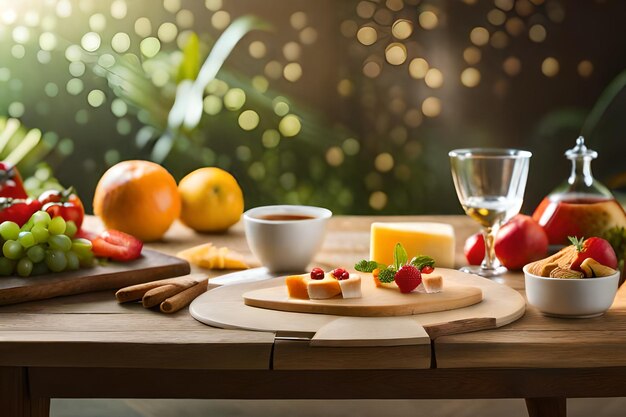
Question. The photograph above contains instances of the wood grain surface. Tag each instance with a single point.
(375, 302)
(223, 307)
(94, 328)
(151, 266)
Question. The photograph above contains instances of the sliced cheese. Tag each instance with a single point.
(321, 289)
(211, 257)
(418, 238)
(432, 283)
(297, 286)
(351, 287)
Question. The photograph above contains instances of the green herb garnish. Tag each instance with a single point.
(420, 261)
(368, 266)
(399, 256)
(386, 274)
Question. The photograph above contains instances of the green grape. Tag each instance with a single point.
(73, 263)
(28, 225)
(40, 268)
(9, 230)
(12, 249)
(60, 242)
(36, 254)
(26, 239)
(82, 247)
(57, 226)
(40, 233)
(41, 218)
(88, 260)
(70, 228)
(7, 266)
(56, 260)
(24, 267)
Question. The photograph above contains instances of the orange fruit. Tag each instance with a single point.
(212, 200)
(139, 198)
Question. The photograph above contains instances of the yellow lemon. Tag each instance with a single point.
(212, 200)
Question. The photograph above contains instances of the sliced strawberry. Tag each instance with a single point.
(408, 278)
(117, 245)
(594, 247)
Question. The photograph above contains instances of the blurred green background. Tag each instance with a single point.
(352, 105)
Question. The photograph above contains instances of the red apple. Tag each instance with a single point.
(518, 242)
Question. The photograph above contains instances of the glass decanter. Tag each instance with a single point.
(581, 206)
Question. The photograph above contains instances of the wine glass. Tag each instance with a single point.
(490, 185)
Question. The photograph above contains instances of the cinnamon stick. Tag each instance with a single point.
(182, 299)
(137, 292)
(157, 295)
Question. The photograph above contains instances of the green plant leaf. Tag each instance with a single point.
(190, 64)
(604, 102)
(400, 256)
(187, 108)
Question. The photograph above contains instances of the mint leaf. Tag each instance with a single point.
(367, 266)
(399, 256)
(386, 275)
(421, 261)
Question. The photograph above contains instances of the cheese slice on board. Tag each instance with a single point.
(418, 238)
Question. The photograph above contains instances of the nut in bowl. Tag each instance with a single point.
(571, 298)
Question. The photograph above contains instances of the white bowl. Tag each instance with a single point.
(285, 245)
(571, 298)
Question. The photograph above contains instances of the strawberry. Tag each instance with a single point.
(408, 278)
(594, 247)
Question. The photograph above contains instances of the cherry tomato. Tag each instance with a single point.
(16, 210)
(11, 185)
(117, 245)
(65, 204)
(474, 249)
(427, 269)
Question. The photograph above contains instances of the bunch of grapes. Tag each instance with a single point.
(42, 245)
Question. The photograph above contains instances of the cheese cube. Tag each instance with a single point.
(432, 283)
(433, 239)
(320, 289)
(351, 287)
(297, 286)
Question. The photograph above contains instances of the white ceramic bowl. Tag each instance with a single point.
(285, 245)
(571, 298)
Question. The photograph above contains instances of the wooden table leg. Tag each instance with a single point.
(15, 400)
(547, 407)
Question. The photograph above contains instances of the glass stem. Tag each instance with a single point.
(491, 261)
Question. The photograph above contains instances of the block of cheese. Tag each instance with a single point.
(321, 289)
(297, 286)
(432, 283)
(418, 238)
(351, 287)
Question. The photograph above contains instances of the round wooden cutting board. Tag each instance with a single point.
(224, 307)
(375, 302)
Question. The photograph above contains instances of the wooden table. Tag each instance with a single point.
(88, 346)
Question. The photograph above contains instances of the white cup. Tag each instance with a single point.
(285, 245)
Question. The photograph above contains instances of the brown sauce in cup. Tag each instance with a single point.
(285, 217)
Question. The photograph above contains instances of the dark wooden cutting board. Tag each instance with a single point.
(151, 266)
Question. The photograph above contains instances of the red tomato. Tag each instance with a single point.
(117, 245)
(18, 211)
(474, 249)
(519, 242)
(594, 247)
(65, 204)
(11, 185)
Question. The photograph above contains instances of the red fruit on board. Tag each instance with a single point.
(408, 278)
(520, 241)
(594, 247)
(317, 273)
(474, 249)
